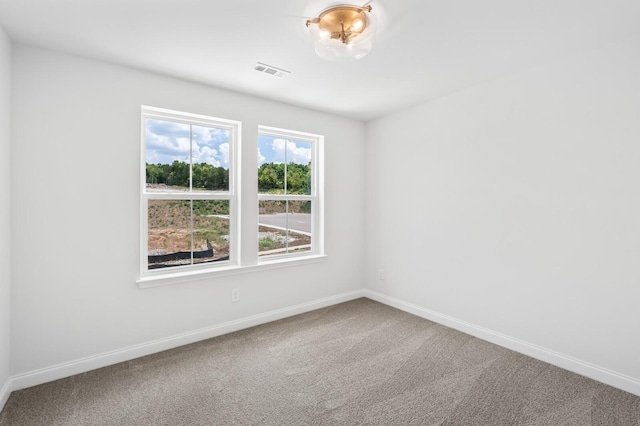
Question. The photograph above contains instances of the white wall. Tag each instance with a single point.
(512, 206)
(5, 217)
(515, 207)
(76, 150)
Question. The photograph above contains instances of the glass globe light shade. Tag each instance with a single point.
(345, 35)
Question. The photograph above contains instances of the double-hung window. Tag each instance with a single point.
(190, 192)
(289, 194)
(190, 198)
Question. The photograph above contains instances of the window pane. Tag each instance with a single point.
(298, 167)
(272, 232)
(299, 226)
(284, 227)
(210, 230)
(270, 166)
(210, 153)
(279, 157)
(167, 153)
(171, 238)
(169, 233)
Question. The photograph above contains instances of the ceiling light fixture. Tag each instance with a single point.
(342, 33)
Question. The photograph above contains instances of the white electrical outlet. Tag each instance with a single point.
(381, 274)
(235, 295)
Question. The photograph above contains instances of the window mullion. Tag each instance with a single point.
(191, 188)
(286, 172)
(191, 230)
(191, 158)
(286, 221)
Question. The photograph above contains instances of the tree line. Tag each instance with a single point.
(205, 176)
(271, 176)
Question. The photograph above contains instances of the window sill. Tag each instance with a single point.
(225, 271)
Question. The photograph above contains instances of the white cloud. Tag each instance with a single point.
(205, 154)
(204, 148)
(295, 154)
(166, 149)
(224, 150)
(200, 134)
(261, 158)
(209, 135)
(168, 141)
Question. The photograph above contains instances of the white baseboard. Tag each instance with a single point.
(67, 369)
(4, 393)
(609, 377)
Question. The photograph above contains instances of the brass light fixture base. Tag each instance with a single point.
(343, 23)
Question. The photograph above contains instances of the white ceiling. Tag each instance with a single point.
(423, 48)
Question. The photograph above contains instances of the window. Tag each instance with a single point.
(190, 198)
(189, 194)
(289, 210)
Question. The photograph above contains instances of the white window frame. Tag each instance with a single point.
(240, 259)
(232, 196)
(316, 197)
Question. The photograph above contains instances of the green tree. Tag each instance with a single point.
(271, 178)
(205, 176)
(179, 174)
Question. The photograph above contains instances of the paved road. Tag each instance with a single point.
(297, 221)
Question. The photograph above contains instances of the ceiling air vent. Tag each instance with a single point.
(268, 69)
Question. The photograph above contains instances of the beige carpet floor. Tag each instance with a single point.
(357, 363)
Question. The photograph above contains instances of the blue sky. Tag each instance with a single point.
(272, 150)
(167, 141)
